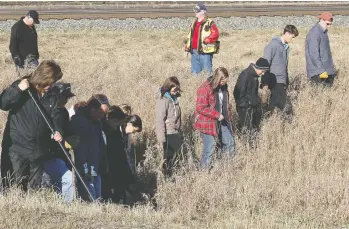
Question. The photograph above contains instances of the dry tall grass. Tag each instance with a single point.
(296, 178)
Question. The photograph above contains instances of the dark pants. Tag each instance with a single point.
(278, 97)
(316, 80)
(26, 171)
(171, 148)
(249, 119)
(6, 168)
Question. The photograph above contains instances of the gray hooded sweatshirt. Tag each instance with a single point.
(318, 52)
(277, 52)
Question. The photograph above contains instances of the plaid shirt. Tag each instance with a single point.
(205, 113)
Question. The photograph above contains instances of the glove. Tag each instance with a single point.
(67, 145)
(324, 75)
(17, 60)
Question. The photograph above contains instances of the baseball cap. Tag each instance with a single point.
(63, 89)
(34, 14)
(326, 16)
(200, 7)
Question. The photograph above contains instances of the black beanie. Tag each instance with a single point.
(262, 64)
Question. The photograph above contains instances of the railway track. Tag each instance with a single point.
(167, 11)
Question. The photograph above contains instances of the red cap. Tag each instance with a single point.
(326, 16)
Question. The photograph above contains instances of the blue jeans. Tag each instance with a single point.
(200, 62)
(227, 145)
(94, 186)
(61, 178)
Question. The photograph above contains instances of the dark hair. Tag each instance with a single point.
(116, 113)
(217, 76)
(126, 108)
(102, 98)
(135, 120)
(291, 29)
(79, 105)
(85, 107)
(170, 83)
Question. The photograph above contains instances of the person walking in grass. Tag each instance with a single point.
(27, 138)
(318, 56)
(24, 41)
(168, 122)
(212, 116)
(202, 41)
(57, 167)
(277, 54)
(119, 175)
(90, 157)
(246, 97)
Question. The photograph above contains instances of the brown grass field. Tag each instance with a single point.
(297, 177)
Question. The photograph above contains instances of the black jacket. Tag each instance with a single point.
(26, 132)
(91, 147)
(24, 41)
(56, 150)
(246, 88)
(119, 172)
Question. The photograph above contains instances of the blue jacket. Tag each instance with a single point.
(91, 147)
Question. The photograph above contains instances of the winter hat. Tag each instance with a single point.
(262, 64)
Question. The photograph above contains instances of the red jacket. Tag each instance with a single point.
(206, 115)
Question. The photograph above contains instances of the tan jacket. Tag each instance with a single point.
(168, 117)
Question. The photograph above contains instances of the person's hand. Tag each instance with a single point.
(57, 137)
(206, 40)
(221, 117)
(265, 93)
(186, 48)
(324, 75)
(24, 85)
(17, 60)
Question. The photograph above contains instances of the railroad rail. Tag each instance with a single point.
(167, 11)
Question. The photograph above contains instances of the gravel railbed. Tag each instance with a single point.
(178, 23)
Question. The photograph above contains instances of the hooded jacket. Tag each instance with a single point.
(26, 131)
(277, 53)
(168, 116)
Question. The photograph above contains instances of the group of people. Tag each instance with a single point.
(41, 134)
(97, 132)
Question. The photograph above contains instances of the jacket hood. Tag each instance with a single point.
(166, 95)
(277, 41)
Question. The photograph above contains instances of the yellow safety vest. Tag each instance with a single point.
(205, 31)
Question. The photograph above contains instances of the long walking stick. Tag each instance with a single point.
(62, 147)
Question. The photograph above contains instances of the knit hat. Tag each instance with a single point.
(200, 7)
(262, 64)
(326, 16)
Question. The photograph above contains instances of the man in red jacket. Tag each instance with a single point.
(202, 41)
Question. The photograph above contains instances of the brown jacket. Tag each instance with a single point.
(168, 117)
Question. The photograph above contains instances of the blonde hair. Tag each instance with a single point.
(217, 76)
